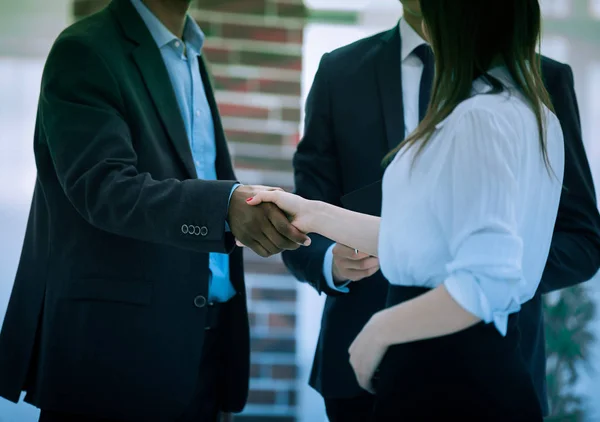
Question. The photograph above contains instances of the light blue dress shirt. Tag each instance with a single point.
(181, 58)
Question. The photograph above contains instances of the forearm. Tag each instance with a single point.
(433, 314)
(355, 230)
(190, 214)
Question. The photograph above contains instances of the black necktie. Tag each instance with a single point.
(425, 53)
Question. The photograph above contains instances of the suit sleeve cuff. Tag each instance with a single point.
(328, 273)
(237, 185)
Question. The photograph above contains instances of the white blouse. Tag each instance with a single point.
(477, 211)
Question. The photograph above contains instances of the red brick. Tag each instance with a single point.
(251, 7)
(282, 321)
(259, 293)
(263, 163)
(280, 87)
(254, 138)
(234, 110)
(288, 372)
(279, 345)
(217, 55)
(291, 114)
(228, 83)
(253, 32)
(255, 370)
(291, 10)
(262, 397)
(252, 318)
(82, 8)
(270, 59)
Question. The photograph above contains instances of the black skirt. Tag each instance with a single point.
(473, 375)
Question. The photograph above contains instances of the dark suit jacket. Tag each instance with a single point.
(102, 317)
(354, 116)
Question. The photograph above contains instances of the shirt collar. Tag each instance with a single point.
(410, 39)
(192, 33)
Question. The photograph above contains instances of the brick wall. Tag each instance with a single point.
(254, 50)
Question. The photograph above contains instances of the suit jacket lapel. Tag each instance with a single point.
(389, 80)
(223, 164)
(149, 61)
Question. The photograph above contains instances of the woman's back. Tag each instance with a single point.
(477, 208)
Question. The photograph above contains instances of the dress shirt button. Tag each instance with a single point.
(199, 301)
(203, 231)
(185, 229)
(177, 44)
(198, 113)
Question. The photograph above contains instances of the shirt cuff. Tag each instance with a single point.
(328, 273)
(467, 292)
(237, 185)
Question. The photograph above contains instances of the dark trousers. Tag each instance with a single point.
(474, 375)
(352, 409)
(205, 404)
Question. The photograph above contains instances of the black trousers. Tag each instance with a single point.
(205, 405)
(352, 409)
(474, 375)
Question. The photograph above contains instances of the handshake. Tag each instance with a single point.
(269, 220)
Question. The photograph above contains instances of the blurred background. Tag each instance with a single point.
(263, 55)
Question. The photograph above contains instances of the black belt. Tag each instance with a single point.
(213, 312)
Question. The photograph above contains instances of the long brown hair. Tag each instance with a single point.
(467, 36)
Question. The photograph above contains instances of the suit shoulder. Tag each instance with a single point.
(357, 49)
(95, 31)
(551, 67)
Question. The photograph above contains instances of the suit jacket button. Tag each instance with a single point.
(203, 231)
(199, 301)
(185, 229)
(197, 230)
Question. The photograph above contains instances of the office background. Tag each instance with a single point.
(263, 56)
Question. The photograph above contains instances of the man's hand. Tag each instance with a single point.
(264, 228)
(349, 265)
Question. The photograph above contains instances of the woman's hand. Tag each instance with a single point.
(367, 350)
(300, 211)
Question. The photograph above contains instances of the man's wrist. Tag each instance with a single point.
(227, 228)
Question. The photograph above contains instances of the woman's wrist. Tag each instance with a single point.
(318, 216)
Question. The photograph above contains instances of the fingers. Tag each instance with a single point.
(347, 252)
(259, 249)
(263, 196)
(290, 234)
(266, 247)
(356, 275)
(281, 242)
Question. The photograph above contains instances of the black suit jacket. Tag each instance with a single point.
(354, 116)
(102, 317)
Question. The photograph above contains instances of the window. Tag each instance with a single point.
(556, 47)
(556, 8)
(595, 8)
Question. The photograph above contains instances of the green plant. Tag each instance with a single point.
(567, 314)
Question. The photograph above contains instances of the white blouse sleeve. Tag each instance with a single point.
(474, 199)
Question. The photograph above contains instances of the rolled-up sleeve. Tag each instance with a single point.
(474, 200)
